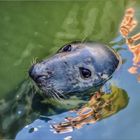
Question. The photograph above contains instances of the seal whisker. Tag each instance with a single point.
(60, 93)
(58, 97)
(34, 61)
(54, 97)
(49, 94)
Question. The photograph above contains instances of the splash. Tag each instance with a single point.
(127, 26)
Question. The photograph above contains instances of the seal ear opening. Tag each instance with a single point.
(66, 48)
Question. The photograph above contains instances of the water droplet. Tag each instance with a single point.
(31, 130)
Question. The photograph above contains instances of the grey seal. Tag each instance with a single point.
(76, 68)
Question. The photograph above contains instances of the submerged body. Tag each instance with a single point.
(75, 68)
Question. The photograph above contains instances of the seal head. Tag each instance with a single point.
(75, 68)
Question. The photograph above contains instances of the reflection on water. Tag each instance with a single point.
(127, 26)
(100, 106)
(30, 30)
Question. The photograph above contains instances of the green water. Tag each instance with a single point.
(36, 29)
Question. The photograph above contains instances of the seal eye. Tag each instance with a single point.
(86, 73)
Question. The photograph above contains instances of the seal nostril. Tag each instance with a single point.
(31, 71)
(39, 78)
